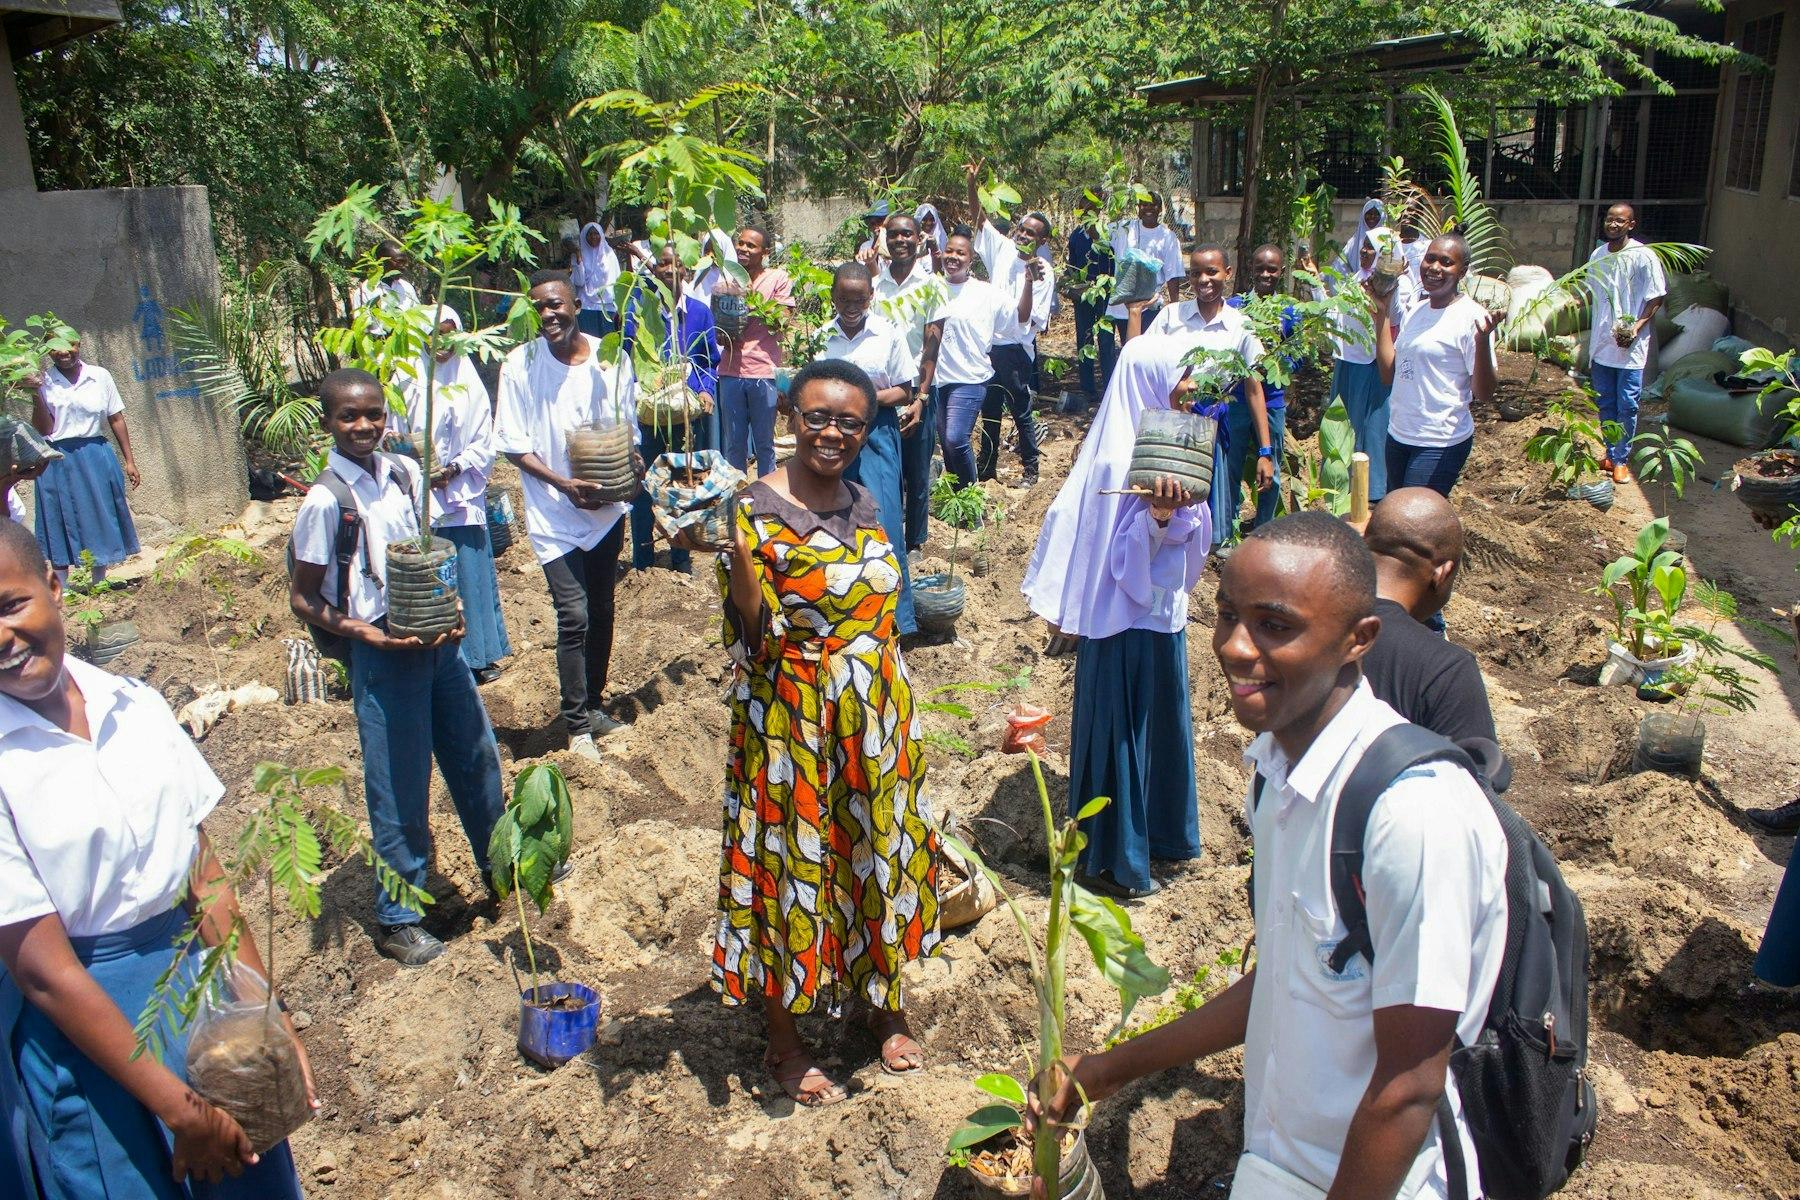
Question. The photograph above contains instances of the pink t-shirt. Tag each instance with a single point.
(758, 352)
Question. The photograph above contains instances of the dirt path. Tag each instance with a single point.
(427, 1096)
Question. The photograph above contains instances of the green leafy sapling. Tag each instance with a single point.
(1119, 956)
(283, 840)
(530, 844)
(1663, 455)
(960, 508)
(1647, 587)
(1713, 680)
(1572, 448)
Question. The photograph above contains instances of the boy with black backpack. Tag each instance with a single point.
(1392, 895)
(413, 699)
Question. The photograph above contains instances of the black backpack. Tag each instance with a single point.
(1525, 1093)
(347, 540)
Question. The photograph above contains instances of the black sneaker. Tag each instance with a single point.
(487, 674)
(1783, 820)
(601, 722)
(408, 945)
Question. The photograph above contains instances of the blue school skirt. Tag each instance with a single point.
(81, 505)
(484, 639)
(72, 1133)
(1134, 742)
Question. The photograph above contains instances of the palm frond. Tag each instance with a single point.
(1467, 213)
(1592, 280)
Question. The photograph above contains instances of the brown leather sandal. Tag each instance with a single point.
(793, 1080)
(897, 1047)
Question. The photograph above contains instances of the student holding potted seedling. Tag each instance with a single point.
(1115, 571)
(102, 857)
(414, 700)
(828, 878)
(1628, 287)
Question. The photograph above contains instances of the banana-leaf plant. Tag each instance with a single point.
(1647, 588)
(1119, 956)
(393, 340)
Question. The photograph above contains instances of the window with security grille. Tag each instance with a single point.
(1750, 105)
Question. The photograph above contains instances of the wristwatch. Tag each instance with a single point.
(1265, 452)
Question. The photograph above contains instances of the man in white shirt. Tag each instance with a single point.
(1343, 1070)
(1010, 262)
(414, 700)
(877, 346)
(1628, 287)
(913, 299)
(548, 387)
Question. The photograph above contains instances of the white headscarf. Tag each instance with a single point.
(940, 235)
(1352, 257)
(456, 378)
(1068, 580)
(596, 268)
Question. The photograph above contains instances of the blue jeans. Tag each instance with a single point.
(960, 404)
(1435, 467)
(410, 706)
(1012, 389)
(878, 468)
(653, 445)
(1235, 460)
(1086, 317)
(747, 414)
(1616, 393)
(915, 474)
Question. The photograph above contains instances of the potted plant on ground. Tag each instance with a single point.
(101, 640)
(990, 1144)
(1710, 681)
(1768, 482)
(1572, 448)
(938, 598)
(1647, 588)
(240, 1053)
(1663, 455)
(529, 848)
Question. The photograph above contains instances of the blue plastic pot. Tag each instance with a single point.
(554, 1036)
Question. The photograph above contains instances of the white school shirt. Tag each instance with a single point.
(1434, 869)
(540, 401)
(102, 833)
(1229, 329)
(80, 409)
(912, 304)
(973, 316)
(879, 348)
(1434, 362)
(1625, 283)
(464, 436)
(388, 501)
(1160, 243)
(1006, 269)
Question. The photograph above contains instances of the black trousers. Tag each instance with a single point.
(1010, 390)
(581, 587)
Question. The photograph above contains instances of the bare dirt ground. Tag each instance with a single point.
(427, 1096)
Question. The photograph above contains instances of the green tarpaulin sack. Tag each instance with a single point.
(1707, 407)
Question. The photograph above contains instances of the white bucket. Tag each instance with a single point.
(1622, 667)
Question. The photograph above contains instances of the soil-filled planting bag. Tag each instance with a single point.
(601, 453)
(421, 589)
(1705, 406)
(22, 447)
(1177, 444)
(694, 491)
(241, 1058)
(1135, 278)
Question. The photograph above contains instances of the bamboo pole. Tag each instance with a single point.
(1359, 487)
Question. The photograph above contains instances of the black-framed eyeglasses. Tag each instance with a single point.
(816, 419)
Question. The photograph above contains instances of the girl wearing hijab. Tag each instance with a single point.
(1374, 214)
(462, 454)
(932, 236)
(81, 496)
(1115, 571)
(596, 270)
(102, 860)
(1355, 379)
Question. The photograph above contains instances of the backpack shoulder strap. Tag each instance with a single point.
(349, 530)
(1391, 754)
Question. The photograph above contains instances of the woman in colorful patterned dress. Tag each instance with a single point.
(828, 880)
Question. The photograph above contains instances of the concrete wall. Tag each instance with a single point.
(111, 263)
(813, 221)
(1543, 232)
(1755, 236)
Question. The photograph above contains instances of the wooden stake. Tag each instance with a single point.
(1359, 487)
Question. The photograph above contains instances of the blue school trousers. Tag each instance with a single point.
(1234, 459)
(412, 706)
(915, 474)
(1134, 742)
